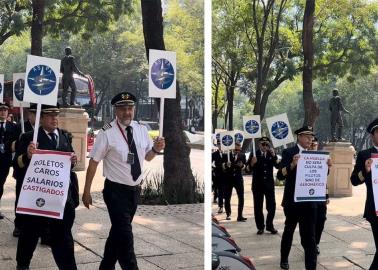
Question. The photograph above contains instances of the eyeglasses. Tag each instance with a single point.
(265, 144)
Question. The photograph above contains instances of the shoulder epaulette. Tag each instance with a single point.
(106, 126)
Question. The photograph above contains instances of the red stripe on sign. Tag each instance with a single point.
(48, 152)
(29, 210)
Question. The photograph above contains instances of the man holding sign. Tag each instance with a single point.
(50, 137)
(302, 212)
(123, 145)
(365, 171)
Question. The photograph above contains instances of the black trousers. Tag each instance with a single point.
(237, 183)
(62, 245)
(121, 201)
(218, 187)
(374, 228)
(321, 217)
(306, 217)
(258, 203)
(18, 217)
(4, 171)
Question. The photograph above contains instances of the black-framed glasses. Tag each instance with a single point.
(265, 144)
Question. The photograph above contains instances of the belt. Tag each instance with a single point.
(121, 186)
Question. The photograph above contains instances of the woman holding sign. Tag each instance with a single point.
(362, 173)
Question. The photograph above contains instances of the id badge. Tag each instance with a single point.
(130, 158)
(2, 148)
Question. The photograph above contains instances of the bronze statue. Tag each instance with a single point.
(336, 107)
(68, 68)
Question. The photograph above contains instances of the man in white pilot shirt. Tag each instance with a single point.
(122, 144)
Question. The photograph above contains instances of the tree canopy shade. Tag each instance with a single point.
(270, 33)
(49, 16)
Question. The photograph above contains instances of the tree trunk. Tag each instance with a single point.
(179, 183)
(37, 27)
(230, 107)
(311, 107)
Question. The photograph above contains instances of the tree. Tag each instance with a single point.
(311, 108)
(54, 16)
(178, 184)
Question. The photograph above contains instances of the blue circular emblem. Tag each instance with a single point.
(239, 137)
(280, 130)
(41, 80)
(19, 87)
(40, 202)
(251, 126)
(227, 140)
(162, 73)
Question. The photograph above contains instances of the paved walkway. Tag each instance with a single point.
(166, 237)
(347, 241)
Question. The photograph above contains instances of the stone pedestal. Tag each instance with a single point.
(75, 120)
(341, 154)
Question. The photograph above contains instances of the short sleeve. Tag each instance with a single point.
(100, 147)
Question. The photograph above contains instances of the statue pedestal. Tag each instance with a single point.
(341, 154)
(75, 120)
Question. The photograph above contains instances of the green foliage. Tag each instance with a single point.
(74, 16)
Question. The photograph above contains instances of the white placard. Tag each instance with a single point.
(279, 130)
(239, 136)
(2, 88)
(45, 187)
(374, 180)
(19, 90)
(42, 80)
(227, 140)
(252, 126)
(311, 180)
(162, 74)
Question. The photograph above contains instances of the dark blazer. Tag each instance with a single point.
(262, 171)
(360, 176)
(216, 157)
(21, 160)
(10, 136)
(285, 173)
(237, 169)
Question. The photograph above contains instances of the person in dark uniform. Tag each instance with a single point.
(321, 211)
(362, 175)
(123, 145)
(216, 158)
(68, 68)
(234, 179)
(303, 213)
(28, 126)
(8, 135)
(50, 137)
(263, 184)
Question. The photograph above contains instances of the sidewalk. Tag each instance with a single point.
(165, 237)
(347, 242)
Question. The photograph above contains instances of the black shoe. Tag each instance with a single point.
(241, 219)
(220, 210)
(16, 232)
(228, 217)
(1, 216)
(272, 230)
(317, 250)
(22, 267)
(259, 232)
(284, 265)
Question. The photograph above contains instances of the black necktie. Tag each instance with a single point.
(135, 167)
(2, 131)
(53, 139)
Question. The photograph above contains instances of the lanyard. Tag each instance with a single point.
(123, 135)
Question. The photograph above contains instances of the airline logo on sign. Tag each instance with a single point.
(279, 130)
(227, 140)
(252, 126)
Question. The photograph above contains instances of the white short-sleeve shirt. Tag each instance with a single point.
(111, 147)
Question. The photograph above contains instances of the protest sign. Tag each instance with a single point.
(311, 180)
(45, 187)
